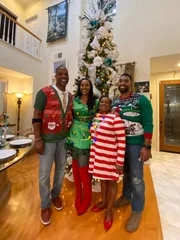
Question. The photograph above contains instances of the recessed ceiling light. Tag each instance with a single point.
(178, 64)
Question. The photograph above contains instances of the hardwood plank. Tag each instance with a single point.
(20, 218)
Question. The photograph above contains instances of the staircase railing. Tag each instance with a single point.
(15, 34)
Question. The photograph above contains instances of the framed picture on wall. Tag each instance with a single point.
(57, 21)
(141, 87)
(57, 63)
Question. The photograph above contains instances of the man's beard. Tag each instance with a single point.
(124, 90)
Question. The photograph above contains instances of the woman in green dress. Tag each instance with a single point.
(85, 105)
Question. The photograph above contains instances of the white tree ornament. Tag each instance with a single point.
(102, 31)
(92, 54)
(95, 44)
(107, 25)
(98, 61)
(92, 72)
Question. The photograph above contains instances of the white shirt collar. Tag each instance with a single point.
(61, 92)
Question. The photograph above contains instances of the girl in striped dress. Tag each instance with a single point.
(107, 155)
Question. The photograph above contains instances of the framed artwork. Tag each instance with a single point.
(57, 63)
(57, 21)
(141, 87)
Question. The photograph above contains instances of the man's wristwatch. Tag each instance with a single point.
(147, 146)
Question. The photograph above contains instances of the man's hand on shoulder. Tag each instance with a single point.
(113, 110)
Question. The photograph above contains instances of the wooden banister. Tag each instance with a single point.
(20, 25)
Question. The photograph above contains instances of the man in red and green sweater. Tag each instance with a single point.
(136, 111)
(51, 122)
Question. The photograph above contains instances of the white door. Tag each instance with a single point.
(31, 42)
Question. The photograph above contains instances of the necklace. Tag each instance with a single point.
(96, 123)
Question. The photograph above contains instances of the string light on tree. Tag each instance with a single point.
(98, 55)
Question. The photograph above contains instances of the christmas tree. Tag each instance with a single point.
(98, 54)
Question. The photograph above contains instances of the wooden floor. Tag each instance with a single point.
(20, 217)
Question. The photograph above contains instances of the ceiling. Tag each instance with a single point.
(12, 73)
(165, 63)
(24, 2)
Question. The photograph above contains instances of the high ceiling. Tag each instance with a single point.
(23, 2)
(167, 63)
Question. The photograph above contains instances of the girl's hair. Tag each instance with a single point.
(105, 96)
(91, 98)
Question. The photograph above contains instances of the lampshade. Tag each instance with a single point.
(19, 94)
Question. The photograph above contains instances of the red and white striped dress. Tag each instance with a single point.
(108, 147)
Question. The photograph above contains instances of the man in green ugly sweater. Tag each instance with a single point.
(136, 110)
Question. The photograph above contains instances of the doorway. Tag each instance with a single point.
(169, 93)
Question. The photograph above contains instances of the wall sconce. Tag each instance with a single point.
(19, 97)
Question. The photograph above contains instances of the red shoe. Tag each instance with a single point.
(97, 209)
(107, 225)
(57, 203)
(46, 216)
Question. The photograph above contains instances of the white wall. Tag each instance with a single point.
(19, 61)
(155, 80)
(68, 46)
(144, 29)
(15, 7)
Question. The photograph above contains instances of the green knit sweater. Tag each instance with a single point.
(136, 110)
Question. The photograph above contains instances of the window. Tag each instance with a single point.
(7, 26)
